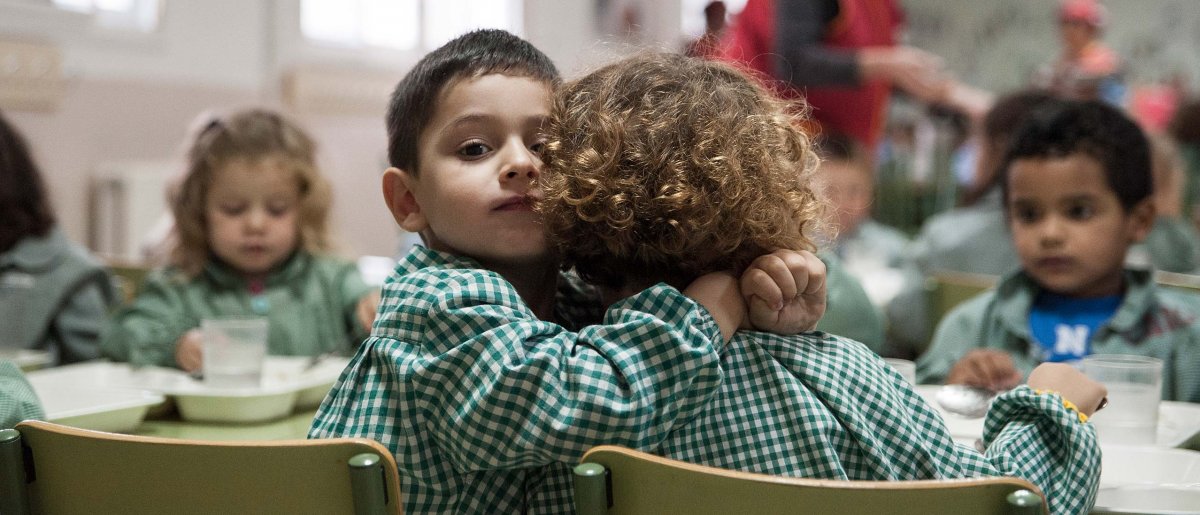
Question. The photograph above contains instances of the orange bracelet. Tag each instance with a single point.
(1066, 404)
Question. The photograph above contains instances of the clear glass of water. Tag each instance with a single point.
(234, 350)
(1134, 391)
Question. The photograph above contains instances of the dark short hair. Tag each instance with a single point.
(837, 146)
(24, 204)
(999, 126)
(1094, 129)
(473, 54)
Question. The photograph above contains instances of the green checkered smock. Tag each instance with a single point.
(486, 408)
(1151, 321)
(17, 400)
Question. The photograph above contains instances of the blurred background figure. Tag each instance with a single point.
(54, 295)
(1086, 69)
(870, 251)
(841, 56)
(708, 43)
(1185, 131)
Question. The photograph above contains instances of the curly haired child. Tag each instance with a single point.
(662, 166)
(251, 239)
(482, 374)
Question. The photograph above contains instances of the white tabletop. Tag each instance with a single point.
(1178, 422)
(1150, 479)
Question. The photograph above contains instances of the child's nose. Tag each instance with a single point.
(256, 219)
(1052, 230)
(522, 164)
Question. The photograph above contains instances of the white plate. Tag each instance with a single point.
(1149, 480)
(288, 383)
(93, 407)
(1126, 465)
(1178, 422)
(1148, 500)
(27, 359)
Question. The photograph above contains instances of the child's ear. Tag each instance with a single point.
(1141, 219)
(398, 193)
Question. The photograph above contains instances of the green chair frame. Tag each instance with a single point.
(52, 469)
(946, 289)
(127, 279)
(618, 481)
(1181, 282)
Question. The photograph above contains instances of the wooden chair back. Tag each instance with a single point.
(619, 481)
(51, 469)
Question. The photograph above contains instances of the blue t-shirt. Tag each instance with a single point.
(1063, 326)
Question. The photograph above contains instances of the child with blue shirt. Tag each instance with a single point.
(1077, 188)
(481, 374)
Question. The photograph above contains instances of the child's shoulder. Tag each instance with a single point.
(816, 355)
(1178, 306)
(429, 273)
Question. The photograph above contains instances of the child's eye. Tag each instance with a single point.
(1025, 215)
(232, 209)
(279, 209)
(1080, 212)
(538, 147)
(473, 149)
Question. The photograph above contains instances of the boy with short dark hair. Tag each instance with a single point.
(473, 377)
(1077, 190)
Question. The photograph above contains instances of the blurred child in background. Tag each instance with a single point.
(17, 399)
(1077, 187)
(872, 255)
(1173, 243)
(637, 151)
(53, 295)
(849, 183)
(251, 239)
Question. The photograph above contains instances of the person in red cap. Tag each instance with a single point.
(1086, 69)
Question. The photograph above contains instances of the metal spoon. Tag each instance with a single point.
(965, 401)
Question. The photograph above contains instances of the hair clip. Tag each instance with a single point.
(213, 124)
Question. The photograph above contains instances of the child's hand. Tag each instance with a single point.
(718, 293)
(189, 353)
(366, 308)
(1085, 393)
(985, 368)
(785, 292)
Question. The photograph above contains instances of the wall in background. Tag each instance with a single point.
(131, 97)
(999, 44)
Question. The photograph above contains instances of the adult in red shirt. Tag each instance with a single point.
(840, 55)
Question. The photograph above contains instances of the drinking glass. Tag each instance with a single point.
(234, 350)
(1134, 390)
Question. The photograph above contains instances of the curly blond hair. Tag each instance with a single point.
(251, 135)
(665, 167)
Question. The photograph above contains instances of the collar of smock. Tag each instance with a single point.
(224, 275)
(1021, 291)
(421, 256)
(35, 253)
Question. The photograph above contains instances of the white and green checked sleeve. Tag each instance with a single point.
(506, 390)
(17, 399)
(1034, 436)
(484, 405)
